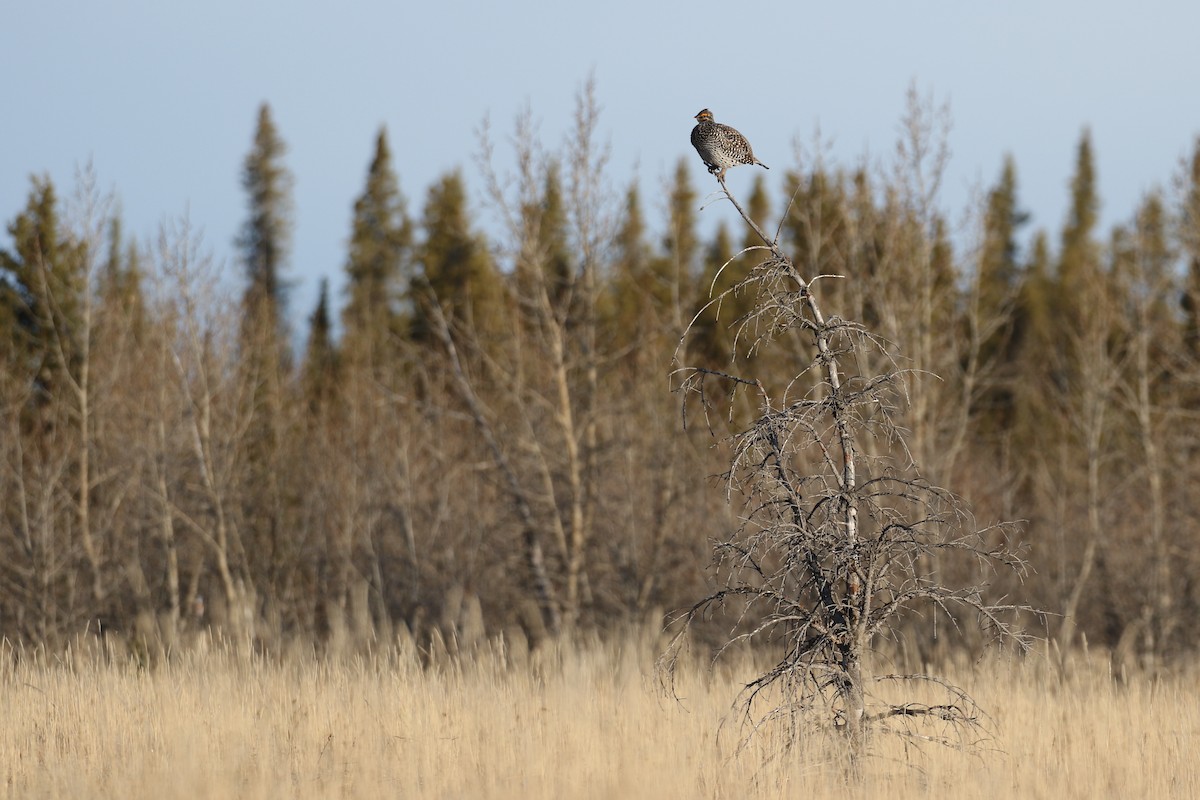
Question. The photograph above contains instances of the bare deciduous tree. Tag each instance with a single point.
(214, 422)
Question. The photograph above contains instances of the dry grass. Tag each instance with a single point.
(590, 722)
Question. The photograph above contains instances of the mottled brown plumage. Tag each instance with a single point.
(720, 146)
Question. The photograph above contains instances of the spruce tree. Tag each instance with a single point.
(266, 500)
(816, 226)
(123, 304)
(1035, 300)
(758, 208)
(673, 275)
(41, 289)
(1078, 265)
(1154, 258)
(378, 267)
(720, 326)
(632, 252)
(999, 266)
(992, 313)
(265, 238)
(624, 304)
(681, 242)
(456, 269)
(1034, 380)
(320, 368)
(1189, 219)
(549, 219)
(1152, 392)
(715, 324)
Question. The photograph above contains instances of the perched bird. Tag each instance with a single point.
(720, 146)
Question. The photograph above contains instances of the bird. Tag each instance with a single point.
(720, 146)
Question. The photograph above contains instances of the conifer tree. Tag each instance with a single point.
(712, 329)
(265, 238)
(1032, 375)
(941, 267)
(990, 318)
(716, 326)
(40, 291)
(120, 286)
(1082, 287)
(758, 208)
(1078, 260)
(1144, 266)
(816, 226)
(320, 355)
(624, 305)
(999, 267)
(681, 242)
(1032, 325)
(1189, 223)
(264, 242)
(455, 265)
(674, 273)
(632, 251)
(1151, 396)
(546, 222)
(379, 264)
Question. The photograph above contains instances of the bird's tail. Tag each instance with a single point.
(761, 164)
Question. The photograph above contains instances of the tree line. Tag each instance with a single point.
(493, 445)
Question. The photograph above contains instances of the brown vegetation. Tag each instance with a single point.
(585, 721)
(491, 446)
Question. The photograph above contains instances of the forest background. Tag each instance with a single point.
(476, 434)
(491, 444)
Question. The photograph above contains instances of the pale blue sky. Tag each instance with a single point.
(161, 95)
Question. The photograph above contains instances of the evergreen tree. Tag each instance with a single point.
(120, 286)
(1034, 380)
(378, 267)
(624, 305)
(266, 500)
(670, 285)
(1081, 219)
(552, 237)
(1154, 257)
(714, 327)
(1152, 395)
(994, 313)
(1190, 241)
(816, 217)
(681, 243)
(1078, 265)
(999, 267)
(266, 235)
(759, 209)
(818, 232)
(456, 268)
(1035, 300)
(41, 290)
(1059, 312)
(632, 252)
(547, 262)
(320, 355)
(941, 264)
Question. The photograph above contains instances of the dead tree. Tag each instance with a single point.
(837, 525)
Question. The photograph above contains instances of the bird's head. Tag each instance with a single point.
(704, 116)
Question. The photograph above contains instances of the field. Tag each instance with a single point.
(588, 722)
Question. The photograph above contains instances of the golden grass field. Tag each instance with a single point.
(589, 722)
